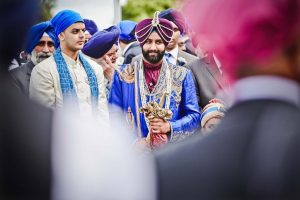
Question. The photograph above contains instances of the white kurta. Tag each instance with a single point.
(45, 85)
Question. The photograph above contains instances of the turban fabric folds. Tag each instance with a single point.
(101, 42)
(215, 108)
(174, 16)
(90, 26)
(127, 30)
(65, 18)
(162, 26)
(35, 34)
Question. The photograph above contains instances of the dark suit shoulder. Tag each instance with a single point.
(22, 70)
(21, 77)
(251, 139)
(188, 57)
(196, 64)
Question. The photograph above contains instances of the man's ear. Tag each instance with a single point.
(61, 36)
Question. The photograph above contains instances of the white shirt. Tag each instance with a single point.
(45, 85)
(174, 54)
(267, 87)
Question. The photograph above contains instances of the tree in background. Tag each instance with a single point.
(47, 6)
(137, 10)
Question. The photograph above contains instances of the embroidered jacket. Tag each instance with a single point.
(129, 91)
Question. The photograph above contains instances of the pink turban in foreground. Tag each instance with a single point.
(240, 32)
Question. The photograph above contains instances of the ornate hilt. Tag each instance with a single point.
(155, 110)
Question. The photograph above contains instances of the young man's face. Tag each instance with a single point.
(73, 37)
(175, 37)
(154, 49)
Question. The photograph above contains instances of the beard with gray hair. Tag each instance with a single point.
(36, 58)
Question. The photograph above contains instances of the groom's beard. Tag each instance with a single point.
(153, 59)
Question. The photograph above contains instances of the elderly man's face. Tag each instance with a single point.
(113, 53)
(44, 49)
(154, 48)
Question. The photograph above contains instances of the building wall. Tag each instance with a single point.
(104, 12)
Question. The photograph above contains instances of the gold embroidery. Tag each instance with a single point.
(179, 74)
(127, 75)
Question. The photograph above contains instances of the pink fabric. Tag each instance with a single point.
(157, 140)
(242, 33)
(151, 73)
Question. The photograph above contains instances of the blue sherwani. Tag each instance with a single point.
(183, 99)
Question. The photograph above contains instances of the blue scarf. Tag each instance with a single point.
(66, 83)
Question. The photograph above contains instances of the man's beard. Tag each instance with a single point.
(153, 59)
(36, 58)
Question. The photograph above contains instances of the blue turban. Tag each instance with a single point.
(174, 16)
(64, 19)
(35, 34)
(90, 26)
(101, 42)
(127, 30)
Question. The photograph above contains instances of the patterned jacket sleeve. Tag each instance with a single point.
(190, 121)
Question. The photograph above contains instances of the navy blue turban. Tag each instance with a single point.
(65, 18)
(101, 42)
(15, 15)
(35, 34)
(174, 16)
(127, 30)
(90, 26)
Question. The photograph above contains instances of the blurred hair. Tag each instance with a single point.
(15, 19)
(243, 33)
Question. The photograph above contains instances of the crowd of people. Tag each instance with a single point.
(127, 65)
(201, 102)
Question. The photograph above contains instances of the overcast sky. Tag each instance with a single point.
(101, 11)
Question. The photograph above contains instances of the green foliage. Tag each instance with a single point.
(46, 8)
(137, 10)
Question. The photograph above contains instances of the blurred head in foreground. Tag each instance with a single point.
(250, 37)
(15, 20)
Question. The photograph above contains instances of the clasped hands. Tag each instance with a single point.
(159, 126)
